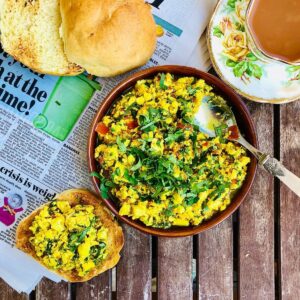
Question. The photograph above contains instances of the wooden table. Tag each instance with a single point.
(253, 255)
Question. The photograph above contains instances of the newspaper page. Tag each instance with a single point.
(45, 120)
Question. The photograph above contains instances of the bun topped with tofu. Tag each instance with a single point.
(73, 236)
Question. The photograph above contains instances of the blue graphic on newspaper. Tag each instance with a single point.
(23, 91)
(168, 26)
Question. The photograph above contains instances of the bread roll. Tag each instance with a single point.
(115, 240)
(108, 37)
(30, 33)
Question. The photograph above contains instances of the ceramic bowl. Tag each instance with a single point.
(244, 122)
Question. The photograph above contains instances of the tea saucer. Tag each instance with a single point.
(252, 78)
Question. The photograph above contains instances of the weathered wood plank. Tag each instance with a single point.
(7, 293)
(256, 259)
(215, 263)
(48, 290)
(99, 288)
(174, 268)
(290, 203)
(134, 268)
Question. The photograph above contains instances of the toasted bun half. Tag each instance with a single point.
(108, 37)
(30, 33)
(84, 197)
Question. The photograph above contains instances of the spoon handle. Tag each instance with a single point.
(273, 166)
(276, 168)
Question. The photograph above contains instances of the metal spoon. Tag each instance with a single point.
(215, 113)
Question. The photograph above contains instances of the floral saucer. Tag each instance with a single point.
(257, 80)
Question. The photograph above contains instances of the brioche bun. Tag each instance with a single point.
(30, 33)
(107, 37)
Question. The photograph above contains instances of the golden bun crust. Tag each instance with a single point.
(73, 69)
(30, 33)
(107, 37)
(115, 233)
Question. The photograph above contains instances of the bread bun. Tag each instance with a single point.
(30, 33)
(115, 239)
(108, 37)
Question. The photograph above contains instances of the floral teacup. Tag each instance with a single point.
(251, 75)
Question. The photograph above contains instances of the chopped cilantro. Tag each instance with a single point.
(76, 238)
(121, 145)
(95, 174)
(136, 166)
(192, 91)
(173, 137)
(162, 82)
(105, 184)
(191, 200)
(130, 178)
(168, 212)
(220, 132)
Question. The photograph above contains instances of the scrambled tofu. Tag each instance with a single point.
(69, 238)
(156, 162)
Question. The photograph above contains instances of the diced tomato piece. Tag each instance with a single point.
(132, 124)
(180, 125)
(234, 132)
(101, 128)
(184, 126)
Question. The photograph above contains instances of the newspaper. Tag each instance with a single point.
(45, 120)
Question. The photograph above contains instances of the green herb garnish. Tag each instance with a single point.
(162, 82)
(121, 145)
(221, 131)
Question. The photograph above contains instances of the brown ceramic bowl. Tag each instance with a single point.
(245, 124)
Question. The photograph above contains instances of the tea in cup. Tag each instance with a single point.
(273, 29)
